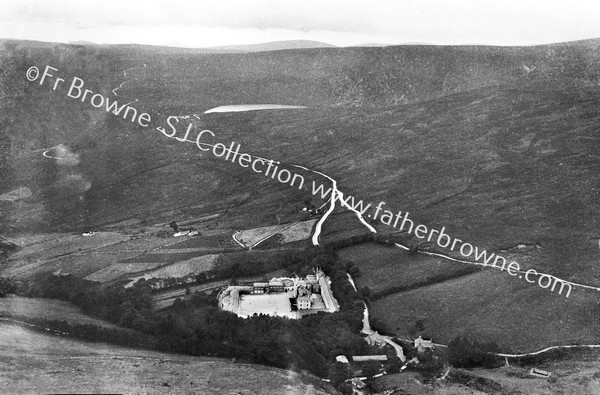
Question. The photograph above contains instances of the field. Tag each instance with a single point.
(341, 225)
(47, 309)
(536, 320)
(119, 270)
(291, 232)
(169, 256)
(298, 231)
(81, 256)
(577, 375)
(179, 269)
(37, 363)
(69, 253)
(384, 267)
(54, 245)
(212, 241)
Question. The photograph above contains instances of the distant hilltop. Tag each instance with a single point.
(244, 48)
(261, 47)
(275, 46)
(81, 42)
(593, 43)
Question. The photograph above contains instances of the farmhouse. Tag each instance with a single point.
(284, 297)
(358, 387)
(422, 344)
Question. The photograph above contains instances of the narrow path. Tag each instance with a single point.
(114, 91)
(45, 154)
(378, 338)
(546, 350)
(237, 232)
(133, 101)
(367, 330)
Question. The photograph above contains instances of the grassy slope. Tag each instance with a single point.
(492, 306)
(47, 309)
(383, 268)
(36, 363)
(78, 255)
(578, 375)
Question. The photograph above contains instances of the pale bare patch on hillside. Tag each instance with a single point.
(117, 270)
(291, 232)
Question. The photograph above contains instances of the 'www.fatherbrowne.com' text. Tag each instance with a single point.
(400, 220)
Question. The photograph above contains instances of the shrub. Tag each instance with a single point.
(339, 373)
(7, 286)
(466, 352)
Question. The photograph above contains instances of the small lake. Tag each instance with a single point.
(251, 107)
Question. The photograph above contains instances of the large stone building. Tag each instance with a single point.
(288, 297)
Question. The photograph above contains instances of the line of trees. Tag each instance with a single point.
(432, 279)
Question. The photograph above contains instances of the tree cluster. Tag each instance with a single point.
(196, 326)
(7, 286)
(467, 352)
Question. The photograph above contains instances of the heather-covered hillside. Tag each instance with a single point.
(499, 145)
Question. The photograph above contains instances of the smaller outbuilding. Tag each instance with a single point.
(364, 358)
(342, 359)
(539, 373)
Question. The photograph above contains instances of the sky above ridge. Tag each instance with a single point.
(207, 23)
